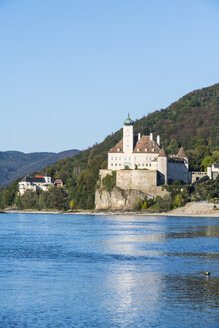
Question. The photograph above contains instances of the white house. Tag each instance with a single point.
(34, 183)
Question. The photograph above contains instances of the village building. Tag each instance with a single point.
(58, 183)
(213, 171)
(34, 183)
(144, 153)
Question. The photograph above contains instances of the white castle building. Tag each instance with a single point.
(34, 183)
(144, 153)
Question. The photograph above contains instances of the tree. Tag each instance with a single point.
(109, 181)
(145, 205)
(209, 160)
(29, 199)
(173, 147)
(178, 201)
(58, 198)
(72, 204)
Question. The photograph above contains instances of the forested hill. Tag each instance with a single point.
(191, 122)
(15, 164)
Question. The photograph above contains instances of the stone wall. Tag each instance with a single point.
(143, 180)
(136, 179)
(177, 171)
(197, 175)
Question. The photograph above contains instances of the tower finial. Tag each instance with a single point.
(128, 121)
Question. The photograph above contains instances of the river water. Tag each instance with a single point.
(108, 271)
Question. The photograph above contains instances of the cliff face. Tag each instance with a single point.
(117, 199)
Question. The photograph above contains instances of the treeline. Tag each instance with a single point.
(54, 198)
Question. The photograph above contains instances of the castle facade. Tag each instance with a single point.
(144, 153)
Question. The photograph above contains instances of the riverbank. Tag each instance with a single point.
(190, 209)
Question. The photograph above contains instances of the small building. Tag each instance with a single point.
(58, 183)
(213, 171)
(34, 183)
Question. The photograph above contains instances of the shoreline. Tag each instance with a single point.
(116, 213)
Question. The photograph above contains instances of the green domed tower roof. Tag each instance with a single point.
(128, 121)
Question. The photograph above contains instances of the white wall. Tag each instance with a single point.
(118, 161)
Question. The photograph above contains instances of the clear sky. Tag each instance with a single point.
(70, 71)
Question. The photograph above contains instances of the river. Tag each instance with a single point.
(61, 270)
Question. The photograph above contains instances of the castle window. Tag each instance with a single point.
(129, 158)
(146, 158)
(115, 164)
(111, 164)
(149, 164)
(146, 149)
(119, 164)
(134, 158)
(112, 158)
(115, 158)
(138, 149)
(152, 150)
(118, 149)
(119, 158)
(142, 164)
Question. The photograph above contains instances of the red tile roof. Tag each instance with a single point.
(119, 146)
(162, 153)
(145, 145)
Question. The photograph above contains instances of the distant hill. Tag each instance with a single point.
(14, 164)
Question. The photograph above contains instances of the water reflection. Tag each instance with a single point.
(194, 232)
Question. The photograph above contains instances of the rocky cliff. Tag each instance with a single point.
(117, 199)
(120, 199)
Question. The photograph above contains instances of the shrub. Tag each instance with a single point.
(139, 204)
(178, 201)
(72, 204)
(145, 205)
(109, 181)
(164, 204)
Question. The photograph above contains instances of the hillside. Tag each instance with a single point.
(14, 164)
(191, 122)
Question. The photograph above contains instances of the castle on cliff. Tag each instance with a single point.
(145, 154)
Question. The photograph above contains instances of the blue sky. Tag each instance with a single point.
(70, 71)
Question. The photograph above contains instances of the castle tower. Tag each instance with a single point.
(162, 167)
(128, 136)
